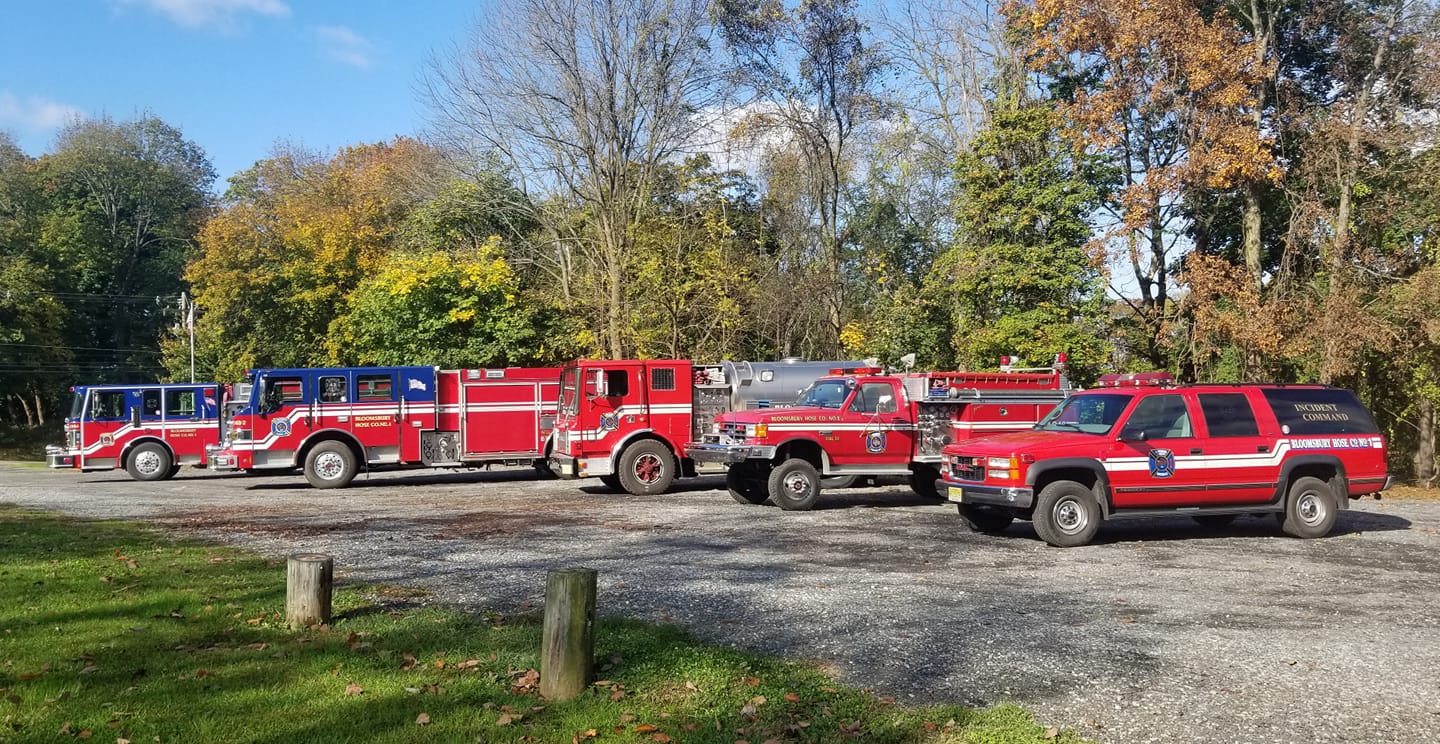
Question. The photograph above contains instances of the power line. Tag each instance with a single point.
(87, 348)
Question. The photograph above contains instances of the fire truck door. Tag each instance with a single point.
(874, 432)
(377, 411)
(614, 403)
(182, 415)
(331, 401)
(107, 412)
(419, 410)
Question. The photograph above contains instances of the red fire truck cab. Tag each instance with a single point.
(865, 422)
(627, 421)
(334, 422)
(149, 430)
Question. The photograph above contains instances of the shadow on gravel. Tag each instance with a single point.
(418, 478)
(1169, 529)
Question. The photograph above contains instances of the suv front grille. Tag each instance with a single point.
(967, 468)
(733, 433)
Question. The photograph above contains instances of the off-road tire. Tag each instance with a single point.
(794, 485)
(330, 465)
(647, 467)
(922, 482)
(746, 485)
(1215, 521)
(987, 520)
(149, 461)
(1066, 514)
(1310, 508)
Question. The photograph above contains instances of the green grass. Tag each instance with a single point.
(110, 631)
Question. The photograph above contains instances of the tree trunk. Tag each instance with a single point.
(25, 406)
(39, 409)
(1425, 465)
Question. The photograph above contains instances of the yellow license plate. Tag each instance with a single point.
(955, 494)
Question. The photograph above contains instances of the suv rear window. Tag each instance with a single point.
(1319, 411)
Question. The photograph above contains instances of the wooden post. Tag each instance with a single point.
(309, 583)
(567, 646)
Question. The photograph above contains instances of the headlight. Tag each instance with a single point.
(1003, 467)
(998, 463)
(756, 431)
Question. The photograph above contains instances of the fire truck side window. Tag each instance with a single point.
(868, 399)
(374, 387)
(107, 405)
(662, 379)
(150, 403)
(332, 390)
(282, 390)
(180, 403)
(617, 382)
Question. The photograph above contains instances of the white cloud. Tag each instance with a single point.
(35, 114)
(195, 13)
(344, 45)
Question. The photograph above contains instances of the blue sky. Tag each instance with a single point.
(235, 75)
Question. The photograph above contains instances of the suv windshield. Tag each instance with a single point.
(825, 394)
(1088, 414)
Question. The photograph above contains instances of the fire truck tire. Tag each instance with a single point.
(1066, 514)
(746, 485)
(543, 471)
(612, 482)
(922, 482)
(794, 485)
(647, 467)
(1309, 508)
(149, 461)
(985, 520)
(330, 465)
(173, 470)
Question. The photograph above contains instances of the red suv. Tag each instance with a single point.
(1138, 446)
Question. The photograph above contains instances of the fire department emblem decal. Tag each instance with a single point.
(107, 439)
(280, 427)
(875, 442)
(609, 421)
(1162, 463)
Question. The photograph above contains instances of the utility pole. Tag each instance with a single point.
(188, 306)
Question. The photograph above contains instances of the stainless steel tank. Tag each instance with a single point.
(738, 386)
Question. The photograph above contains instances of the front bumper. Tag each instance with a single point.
(570, 466)
(959, 492)
(221, 460)
(59, 457)
(727, 454)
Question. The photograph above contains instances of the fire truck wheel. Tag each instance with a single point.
(794, 485)
(330, 465)
(173, 470)
(612, 482)
(985, 520)
(647, 467)
(1066, 514)
(1309, 508)
(922, 482)
(746, 485)
(149, 462)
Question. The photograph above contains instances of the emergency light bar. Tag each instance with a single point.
(1137, 379)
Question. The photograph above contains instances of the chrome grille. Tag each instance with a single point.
(967, 468)
(734, 432)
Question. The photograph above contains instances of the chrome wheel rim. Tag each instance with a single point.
(147, 462)
(796, 484)
(329, 465)
(1310, 508)
(648, 468)
(1070, 517)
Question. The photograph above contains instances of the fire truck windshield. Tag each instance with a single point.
(1087, 414)
(569, 391)
(77, 405)
(825, 394)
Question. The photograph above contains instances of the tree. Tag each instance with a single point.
(812, 84)
(588, 101)
(1021, 279)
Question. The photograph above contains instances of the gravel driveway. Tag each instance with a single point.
(1161, 631)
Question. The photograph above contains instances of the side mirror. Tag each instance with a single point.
(135, 417)
(886, 404)
(1133, 435)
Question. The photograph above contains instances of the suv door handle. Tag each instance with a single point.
(1262, 448)
(1195, 450)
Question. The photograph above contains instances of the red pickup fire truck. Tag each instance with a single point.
(865, 422)
(1139, 446)
(627, 421)
(333, 422)
(150, 430)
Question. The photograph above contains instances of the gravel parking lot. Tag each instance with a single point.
(1161, 631)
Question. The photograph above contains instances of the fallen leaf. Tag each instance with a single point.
(505, 719)
(627, 717)
(200, 673)
(645, 728)
(1052, 732)
(617, 694)
(468, 664)
(353, 689)
(758, 700)
(791, 697)
(85, 734)
(691, 686)
(1127, 619)
(122, 741)
(423, 719)
(65, 729)
(662, 738)
(752, 681)
(410, 662)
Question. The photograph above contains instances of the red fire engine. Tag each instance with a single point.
(627, 421)
(334, 422)
(867, 423)
(150, 430)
